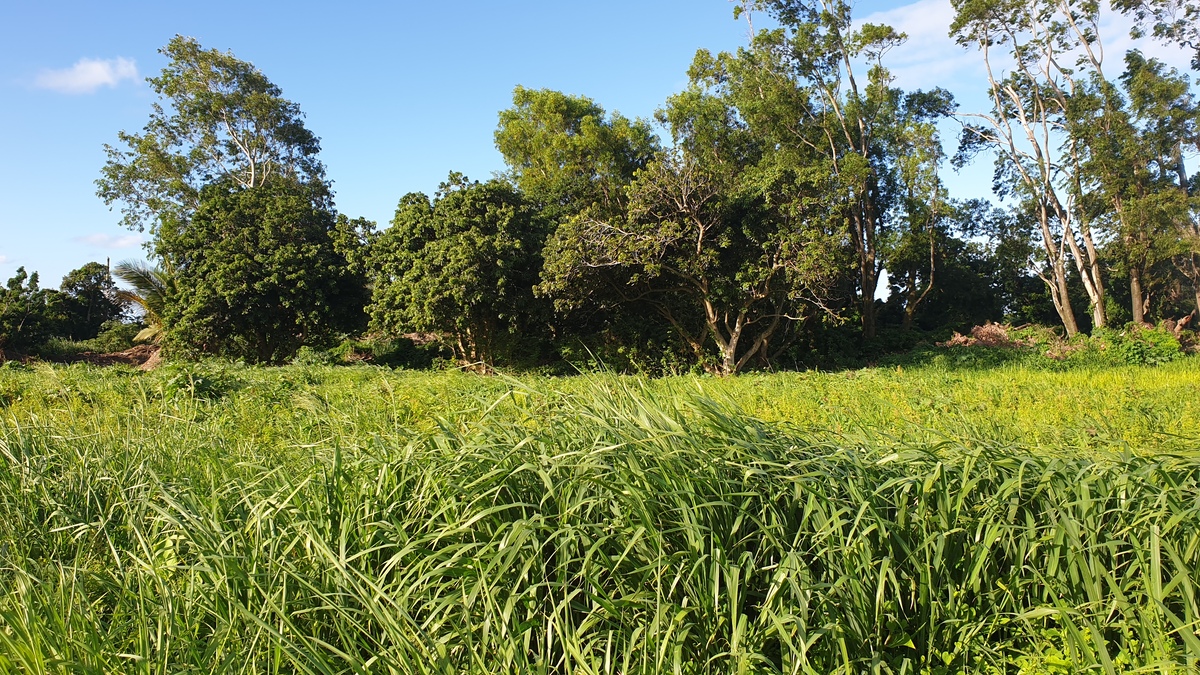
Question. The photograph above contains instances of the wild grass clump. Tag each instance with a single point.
(608, 526)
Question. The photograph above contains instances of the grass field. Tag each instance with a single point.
(216, 518)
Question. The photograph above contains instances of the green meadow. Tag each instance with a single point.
(214, 517)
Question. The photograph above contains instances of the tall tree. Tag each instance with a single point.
(1130, 140)
(462, 266)
(700, 244)
(1167, 115)
(217, 119)
(915, 244)
(257, 274)
(567, 154)
(802, 88)
(1172, 21)
(1036, 156)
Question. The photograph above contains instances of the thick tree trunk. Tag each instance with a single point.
(1062, 300)
(1138, 298)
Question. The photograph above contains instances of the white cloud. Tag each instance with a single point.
(88, 75)
(101, 240)
(4, 259)
(929, 58)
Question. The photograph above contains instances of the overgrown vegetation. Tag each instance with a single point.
(218, 518)
(797, 178)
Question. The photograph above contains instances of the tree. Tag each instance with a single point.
(566, 154)
(699, 243)
(800, 87)
(218, 119)
(1167, 119)
(463, 266)
(1027, 130)
(257, 274)
(152, 286)
(1171, 21)
(25, 321)
(87, 299)
(1130, 143)
(919, 236)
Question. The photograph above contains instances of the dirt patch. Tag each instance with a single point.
(145, 357)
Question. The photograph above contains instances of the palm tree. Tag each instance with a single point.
(151, 286)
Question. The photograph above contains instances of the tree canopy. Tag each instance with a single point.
(793, 210)
(462, 265)
(257, 275)
(217, 119)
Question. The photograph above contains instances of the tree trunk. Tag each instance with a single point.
(1062, 300)
(1136, 295)
(1059, 291)
(869, 279)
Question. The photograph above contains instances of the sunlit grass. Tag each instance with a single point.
(215, 518)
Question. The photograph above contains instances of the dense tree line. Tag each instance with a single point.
(790, 178)
(85, 304)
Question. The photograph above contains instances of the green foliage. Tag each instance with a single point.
(26, 319)
(152, 288)
(114, 336)
(256, 274)
(311, 519)
(566, 154)
(1138, 345)
(87, 300)
(462, 267)
(217, 119)
(204, 381)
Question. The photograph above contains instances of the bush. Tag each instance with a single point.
(1137, 345)
(205, 380)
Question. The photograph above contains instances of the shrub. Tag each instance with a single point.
(1138, 345)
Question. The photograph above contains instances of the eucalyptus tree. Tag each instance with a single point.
(217, 119)
(1050, 47)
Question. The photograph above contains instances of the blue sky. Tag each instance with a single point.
(400, 93)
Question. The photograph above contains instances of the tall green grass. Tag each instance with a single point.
(313, 520)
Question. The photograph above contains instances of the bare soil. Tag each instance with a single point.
(145, 357)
